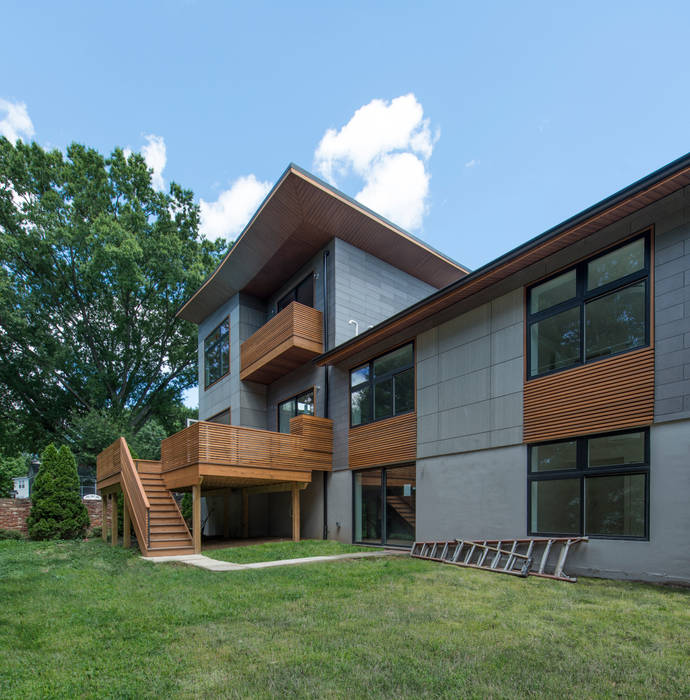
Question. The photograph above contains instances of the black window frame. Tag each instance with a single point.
(583, 472)
(311, 390)
(291, 295)
(583, 297)
(225, 321)
(382, 504)
(371, 382)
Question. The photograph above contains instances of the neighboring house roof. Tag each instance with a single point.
(299, 216)
(649, 189)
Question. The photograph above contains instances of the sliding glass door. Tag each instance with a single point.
(385, 505)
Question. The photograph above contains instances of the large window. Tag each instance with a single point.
(297, 405)
(596, 309)
(385, 505)
(383, 387)
(596, 486)
(303, 293)
(217, 353)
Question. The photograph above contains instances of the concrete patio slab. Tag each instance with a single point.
(204, 562)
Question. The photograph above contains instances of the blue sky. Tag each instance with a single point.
(509, 117)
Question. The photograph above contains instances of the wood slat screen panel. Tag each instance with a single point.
(389, 441)
(295, 327)
(108, 462)
(611, 394)
(235, 446)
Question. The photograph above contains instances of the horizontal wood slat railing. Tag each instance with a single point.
(389, 441)
(611, 394)
(287, 340)
(116, 459)
(236, 446)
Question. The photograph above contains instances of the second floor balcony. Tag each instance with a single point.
(288, 340)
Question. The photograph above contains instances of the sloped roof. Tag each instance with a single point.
(299, 216)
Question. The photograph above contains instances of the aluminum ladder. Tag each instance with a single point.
(544, 557)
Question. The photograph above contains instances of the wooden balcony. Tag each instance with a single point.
(287, 341)
(231, 455)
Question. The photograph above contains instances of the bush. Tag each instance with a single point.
(12, 535)
(96, 531)
(57, 511)
(186, 508)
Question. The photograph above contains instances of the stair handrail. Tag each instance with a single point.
(134, 491)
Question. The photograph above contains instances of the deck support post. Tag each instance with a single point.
(245, 513)
(295, 513)
(104, 524)
(113, 519)
(226, 514)
(196, 517)
(126, 526)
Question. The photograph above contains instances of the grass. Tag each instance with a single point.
(87, 620)
(272, 551)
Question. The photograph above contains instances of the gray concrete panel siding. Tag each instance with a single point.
(369, 290)
(469, 380)
(340, 505)
(672, 317)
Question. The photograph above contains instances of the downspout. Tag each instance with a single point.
(325, 384)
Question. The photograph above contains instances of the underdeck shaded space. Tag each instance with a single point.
(211, 543)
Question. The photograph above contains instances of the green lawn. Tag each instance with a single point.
(87, 620)
(272, 551)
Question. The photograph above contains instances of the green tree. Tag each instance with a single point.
(94, 264)
(9, 468)
(57, 511)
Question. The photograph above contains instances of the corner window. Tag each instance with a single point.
(217, 353)
(596, 486)
(383, 387)
(303, 293)
(296, 406)
(594, 310)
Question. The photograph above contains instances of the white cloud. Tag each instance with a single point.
(229, 214)
(155, 156)
(472, 163)
(387, 144)
(16, 123)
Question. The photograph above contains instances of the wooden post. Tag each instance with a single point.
(226, 515)
(104, 524)
(113, 518)
(245, 513)
(295, 513)
(126, 526)
(196, 517)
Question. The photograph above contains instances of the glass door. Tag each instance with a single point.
(401, 488)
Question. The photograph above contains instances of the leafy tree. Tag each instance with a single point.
(186, 508)
(57, 511)
(9, 468)
(94, 264)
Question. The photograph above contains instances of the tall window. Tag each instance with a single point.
(383, 387)
(303, 293)
(385, 505)
(596, 309)
(596, 486)
(296, 406)
(217, 353)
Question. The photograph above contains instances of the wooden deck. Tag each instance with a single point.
(288, 340)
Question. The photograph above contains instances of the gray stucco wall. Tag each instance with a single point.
(483, 495)
(469, 380)
(369, 290)
(672, 318)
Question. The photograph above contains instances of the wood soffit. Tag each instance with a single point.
(296, 220)
(609, 211)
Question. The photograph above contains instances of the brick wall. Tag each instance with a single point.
(15, 511)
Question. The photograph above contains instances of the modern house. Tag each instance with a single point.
(356, 384)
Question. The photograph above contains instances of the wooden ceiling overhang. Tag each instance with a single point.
(633, 198)
(298, 218)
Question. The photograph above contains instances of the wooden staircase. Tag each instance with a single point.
(403, 508)
(168, 531)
